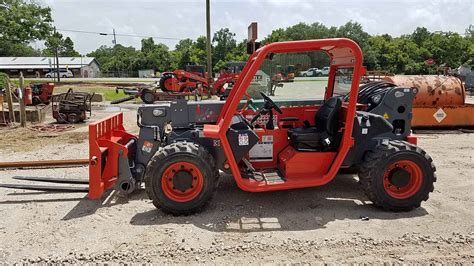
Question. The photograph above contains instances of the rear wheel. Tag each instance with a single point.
(181, 178)
(166, 83)
(397, 176)
(73, 118)
(61, 118)
(147, 96)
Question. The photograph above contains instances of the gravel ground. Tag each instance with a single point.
(334, 223)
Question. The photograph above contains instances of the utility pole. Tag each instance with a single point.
(115, 39)
(208, 44)
(21, 101)
(57, 57)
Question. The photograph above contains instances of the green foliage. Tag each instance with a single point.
(24, 21)
(65, 46)
(4, 80)
(8, 48)
(405, 54)
(223, 42)
(21, 22)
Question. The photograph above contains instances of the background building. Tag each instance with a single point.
(32, 67)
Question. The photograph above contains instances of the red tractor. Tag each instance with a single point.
(284, 74)
(183, 146)
(184, 80)
(189, 79)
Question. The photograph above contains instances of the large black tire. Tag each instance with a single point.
(73, 118)
(397, 176)
(163, 80)
(179, 154)
(61, 118)
(147, 96)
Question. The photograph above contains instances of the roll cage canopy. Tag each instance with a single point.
(343, 53)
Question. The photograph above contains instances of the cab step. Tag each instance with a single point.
(273, 176)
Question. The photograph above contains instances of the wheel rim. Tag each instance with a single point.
(148, 97)
(168, 84)
(182, 182)
(403, 179)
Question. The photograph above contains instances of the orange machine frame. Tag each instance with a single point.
(107, 139)
(343, 53)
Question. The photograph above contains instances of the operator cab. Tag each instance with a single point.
(324, 134)
(289, 124)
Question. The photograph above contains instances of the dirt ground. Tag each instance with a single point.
(334, 223)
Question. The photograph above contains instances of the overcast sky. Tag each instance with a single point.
(186, 19)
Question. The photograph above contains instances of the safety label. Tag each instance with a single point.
(147, 146)
(440, 115)
(263, 150)
(243, 139)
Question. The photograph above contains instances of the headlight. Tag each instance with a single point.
(158, 112)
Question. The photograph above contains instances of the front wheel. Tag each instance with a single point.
(397, 176)
(181, 178)
(147, 96)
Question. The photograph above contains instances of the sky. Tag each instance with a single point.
(182, 19)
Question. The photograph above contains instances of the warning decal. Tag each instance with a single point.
(440, 115)
(263, 150)
(147, 146)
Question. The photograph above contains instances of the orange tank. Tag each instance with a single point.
(28, 96)
(432, 90)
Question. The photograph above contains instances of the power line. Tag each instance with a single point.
(118, 34)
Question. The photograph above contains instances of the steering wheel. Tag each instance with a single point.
(267, 109)
(269, 104)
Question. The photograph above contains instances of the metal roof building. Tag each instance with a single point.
(39, 66)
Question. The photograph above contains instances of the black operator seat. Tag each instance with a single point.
(322, 136)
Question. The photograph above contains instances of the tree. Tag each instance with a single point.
(68, 48)
(183, 51)
(53, 42)
(198, 53)
(21, 22)
(24, 21)
(121, 60)
(224, 42)
(154, 56)
(65, 46)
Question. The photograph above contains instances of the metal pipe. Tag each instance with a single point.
(44, 163)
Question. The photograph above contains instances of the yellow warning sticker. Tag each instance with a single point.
(385, 115)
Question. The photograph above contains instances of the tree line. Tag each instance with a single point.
(24, 21)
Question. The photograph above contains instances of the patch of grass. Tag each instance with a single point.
(108, 92)
(111, 95)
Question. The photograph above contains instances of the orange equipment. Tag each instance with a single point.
(28, 96)
(188, 80)
(107, 139)
(38, 93)
(440, 101)
(183, 145)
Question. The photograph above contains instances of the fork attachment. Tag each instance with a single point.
(109, 146)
